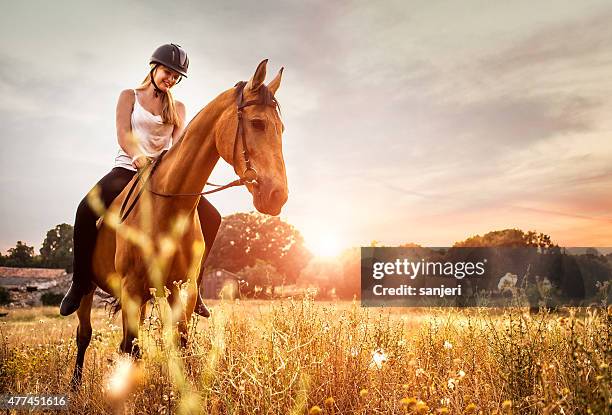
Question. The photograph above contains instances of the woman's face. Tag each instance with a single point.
(165, 78)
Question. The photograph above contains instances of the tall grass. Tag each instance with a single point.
(304, 357)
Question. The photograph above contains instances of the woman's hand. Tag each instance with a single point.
(140, 161)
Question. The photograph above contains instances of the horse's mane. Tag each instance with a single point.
(266, 97)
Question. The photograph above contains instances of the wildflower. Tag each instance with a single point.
(315, 410)
(448, 345)
(421, 407)
(408, 403)
(470, 409)
(329, 402)
(461, 374)
(378, 358)
(451, 383)
(507, 282)
(443, 411)
(507, 406)
(363, 393)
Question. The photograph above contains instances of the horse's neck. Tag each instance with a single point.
(188, 164)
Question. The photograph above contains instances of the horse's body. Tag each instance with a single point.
(121, 267)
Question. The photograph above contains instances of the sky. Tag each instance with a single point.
(406, 121)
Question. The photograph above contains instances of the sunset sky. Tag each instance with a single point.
(405, 121)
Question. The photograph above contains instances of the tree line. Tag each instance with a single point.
(268, 253)
(56, 251)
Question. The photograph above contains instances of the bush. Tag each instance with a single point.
(51, 298)
(5, 296)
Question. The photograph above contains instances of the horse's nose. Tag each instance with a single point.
(278, 196)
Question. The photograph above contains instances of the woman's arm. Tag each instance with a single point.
(178, 129)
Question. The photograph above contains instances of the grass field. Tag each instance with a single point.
(299, 357)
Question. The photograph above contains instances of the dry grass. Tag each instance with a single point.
(301, 357)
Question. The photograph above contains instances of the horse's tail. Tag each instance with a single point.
(111, 304)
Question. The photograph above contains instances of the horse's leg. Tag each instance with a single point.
(210, 221)
(83, 338)
(131, 306)
(182, 312)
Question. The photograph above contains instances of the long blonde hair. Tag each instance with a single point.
(169, 113)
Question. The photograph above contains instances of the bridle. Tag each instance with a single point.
(249, 176)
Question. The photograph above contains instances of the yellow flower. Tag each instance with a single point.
(421, 407)
(470, 409)
(329, 401)
(408, 402)
(507, 406)
(315, 410)
(363, 393)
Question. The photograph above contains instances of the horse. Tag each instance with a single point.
(242, 125)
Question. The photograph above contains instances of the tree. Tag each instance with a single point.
(20, 256)
(245, 237)
(509, 238)
(322, 272)
(349, 283)
(57, 248)
(259, 278)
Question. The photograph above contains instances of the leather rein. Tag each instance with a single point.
(249, 176)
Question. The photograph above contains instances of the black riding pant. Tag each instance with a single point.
(86, 233)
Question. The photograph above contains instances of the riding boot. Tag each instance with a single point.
(200, 307)
(72, 300)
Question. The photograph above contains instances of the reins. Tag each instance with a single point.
(248, 176)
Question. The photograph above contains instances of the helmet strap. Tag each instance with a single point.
(157, 90)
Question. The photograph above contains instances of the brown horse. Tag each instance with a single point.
(241, 125)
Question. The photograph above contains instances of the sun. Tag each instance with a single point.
(325, 245)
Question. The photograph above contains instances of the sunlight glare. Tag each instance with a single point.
(325, 245)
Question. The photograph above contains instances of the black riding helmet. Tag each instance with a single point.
(171, 56)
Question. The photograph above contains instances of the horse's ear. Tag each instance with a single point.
(275, 83)
(258, 77)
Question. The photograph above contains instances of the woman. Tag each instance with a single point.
(148, 121)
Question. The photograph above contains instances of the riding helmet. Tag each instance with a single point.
(171, 56)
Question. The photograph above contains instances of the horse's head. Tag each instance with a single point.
(249, 137)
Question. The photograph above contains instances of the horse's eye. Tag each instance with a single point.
(258, 124)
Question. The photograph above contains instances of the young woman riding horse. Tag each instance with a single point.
(242, 126)
(148, 121)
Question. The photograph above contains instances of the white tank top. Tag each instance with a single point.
(152, 135)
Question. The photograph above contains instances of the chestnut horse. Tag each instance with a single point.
(241, 125)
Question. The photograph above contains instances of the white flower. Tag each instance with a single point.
(448, 345)
(507, 282)
(451, 383)
(378, 358)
